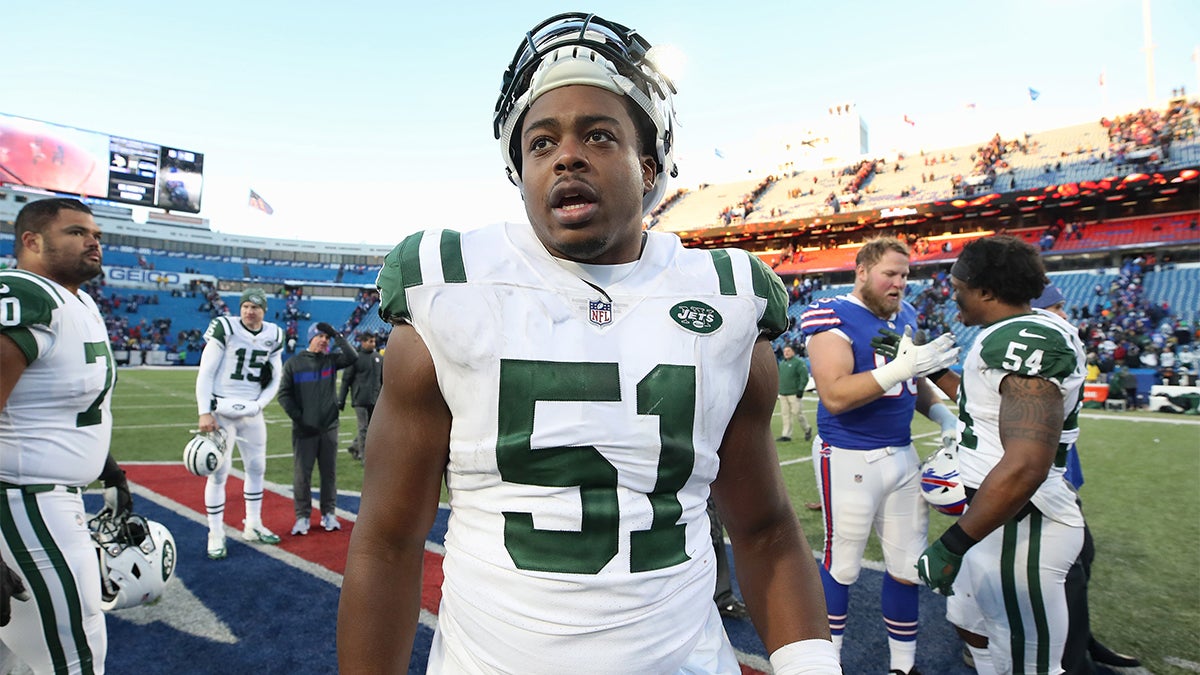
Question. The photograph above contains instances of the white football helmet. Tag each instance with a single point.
(137, 557)
(580, 48)
(941, 485)
(205, 452)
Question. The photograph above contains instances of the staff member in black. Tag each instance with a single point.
(308, 394)
(362, 381)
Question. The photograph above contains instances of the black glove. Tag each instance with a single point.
(327, 329)
(114, 477)
(10, 588)
(342, 404)
(886, 343)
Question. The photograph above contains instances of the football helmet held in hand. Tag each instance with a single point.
(137, 557)
(941, 485)
(205, 452)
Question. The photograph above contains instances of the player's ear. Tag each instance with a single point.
(649, 167)
(31, 241)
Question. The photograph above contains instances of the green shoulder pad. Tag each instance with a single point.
(768, 285)
(26, 300)
(216, 331)
(1029, 348)
(401, 270)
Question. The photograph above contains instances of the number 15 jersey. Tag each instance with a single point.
(585, 431)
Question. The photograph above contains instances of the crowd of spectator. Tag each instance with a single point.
(746, 204)
(126, 332)
(667, 202)
(366, 300)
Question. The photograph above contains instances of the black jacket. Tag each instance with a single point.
(364, 379)
(308, 387)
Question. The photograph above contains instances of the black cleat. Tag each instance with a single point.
(1104, 656)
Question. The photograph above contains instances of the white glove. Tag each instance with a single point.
(915, 361)
(236, 407)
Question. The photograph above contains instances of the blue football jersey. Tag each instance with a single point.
(885, 421)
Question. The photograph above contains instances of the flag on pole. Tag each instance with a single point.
(718, 153)
(909, 121)
(1034, 94)
(1102, 78)
(971, 106)
(257, 202)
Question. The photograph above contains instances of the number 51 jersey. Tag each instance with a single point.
(586, 425)
(56, 427)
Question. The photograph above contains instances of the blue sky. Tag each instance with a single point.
(365, 121)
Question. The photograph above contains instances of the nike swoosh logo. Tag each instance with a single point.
(1024, 332)
(3, 288)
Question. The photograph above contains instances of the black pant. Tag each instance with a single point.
(723, 592)
(321, 450)
(1076, 660)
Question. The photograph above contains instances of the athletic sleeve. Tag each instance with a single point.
(401, 270)
(820, 316)
(275, 362)
(216, 332)
(26, 312)
(210, 361)
(768, 285)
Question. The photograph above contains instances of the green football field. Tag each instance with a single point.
(1141, 498)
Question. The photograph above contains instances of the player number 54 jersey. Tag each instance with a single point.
(56, 426)
(1034, 345)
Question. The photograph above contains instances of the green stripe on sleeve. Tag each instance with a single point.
(401, 270)
(453, 270)
(25, 342)
(724, 267)
(768, 285)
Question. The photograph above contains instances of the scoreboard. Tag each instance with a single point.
(87, 163)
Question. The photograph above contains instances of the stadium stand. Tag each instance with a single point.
(1095, 197)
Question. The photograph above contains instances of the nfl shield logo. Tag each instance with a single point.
(600, 312)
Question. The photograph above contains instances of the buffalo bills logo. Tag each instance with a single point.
(600, 312)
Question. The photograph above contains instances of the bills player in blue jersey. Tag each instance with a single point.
(868, 472)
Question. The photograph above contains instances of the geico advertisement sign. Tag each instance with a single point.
(135, 276)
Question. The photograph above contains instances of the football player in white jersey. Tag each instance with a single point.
(580, 384)
(56, 375)
(239, 375)
(1019, 400)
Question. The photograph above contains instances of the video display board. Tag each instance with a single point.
(65, 159)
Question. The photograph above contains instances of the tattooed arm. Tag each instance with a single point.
(1031, 419)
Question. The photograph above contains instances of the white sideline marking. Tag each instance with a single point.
(1182, 663)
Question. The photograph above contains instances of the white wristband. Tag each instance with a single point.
(892, 373)
(806, 657)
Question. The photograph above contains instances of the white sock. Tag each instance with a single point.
(904, 654)
(837, 644)
(254, 512)
(215, 524)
